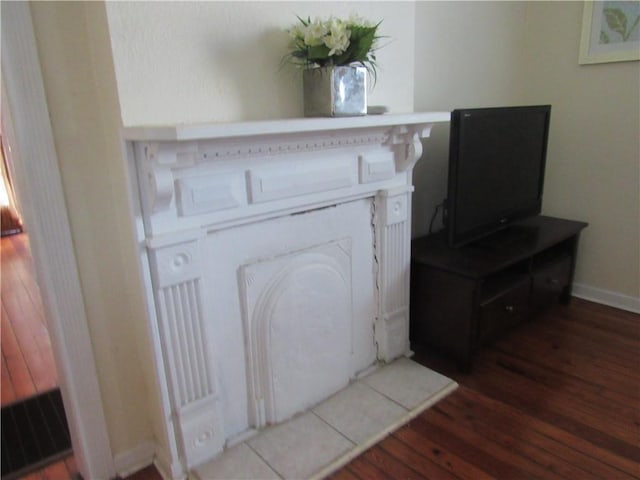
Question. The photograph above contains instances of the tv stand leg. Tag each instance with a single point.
(565, 296)
(465, 364)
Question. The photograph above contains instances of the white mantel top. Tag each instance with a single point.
(272, 127)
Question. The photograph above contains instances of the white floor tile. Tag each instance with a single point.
(239, 462)
(300, 447)
(340, 428)
(359, 412)
(407, 382)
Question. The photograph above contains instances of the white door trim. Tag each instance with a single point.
(26, 128)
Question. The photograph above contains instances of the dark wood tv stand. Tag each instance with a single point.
(462, 298)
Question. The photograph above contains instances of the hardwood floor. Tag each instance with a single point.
(558, 398)
(27, 361)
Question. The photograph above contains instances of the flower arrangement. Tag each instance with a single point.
(333, 42)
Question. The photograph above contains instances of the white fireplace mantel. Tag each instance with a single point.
(275, 257)
(276, 127)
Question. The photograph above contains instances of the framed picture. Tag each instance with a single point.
(610, 32)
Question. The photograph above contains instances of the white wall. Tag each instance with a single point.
(193, 62)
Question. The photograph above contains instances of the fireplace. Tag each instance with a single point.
(275, 257)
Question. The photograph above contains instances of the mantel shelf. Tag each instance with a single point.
(274, 127)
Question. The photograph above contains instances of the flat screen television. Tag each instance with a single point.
(497, 160)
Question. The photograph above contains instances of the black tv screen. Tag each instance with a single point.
(496, 169)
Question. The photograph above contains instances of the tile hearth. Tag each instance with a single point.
(313, 444)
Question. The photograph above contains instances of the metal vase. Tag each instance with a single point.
(335, 91)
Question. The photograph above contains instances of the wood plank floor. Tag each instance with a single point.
(27, 360)
(558, 398)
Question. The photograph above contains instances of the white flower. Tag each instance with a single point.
(338, 38)
(332, 41)
(297, 32)
(314, 33)
(359, 21)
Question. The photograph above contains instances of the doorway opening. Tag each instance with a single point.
(34, 426)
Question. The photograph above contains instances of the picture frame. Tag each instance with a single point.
(610, 32)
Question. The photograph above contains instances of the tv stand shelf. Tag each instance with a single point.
(462, 298)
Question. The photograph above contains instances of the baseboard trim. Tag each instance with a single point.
(137, 458)
(166, 468)
(606, 297)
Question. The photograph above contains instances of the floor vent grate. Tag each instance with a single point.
(34, 433)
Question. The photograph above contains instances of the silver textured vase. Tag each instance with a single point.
(335, 91)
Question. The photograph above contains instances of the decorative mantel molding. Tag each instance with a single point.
(198, 187)
(190, 171)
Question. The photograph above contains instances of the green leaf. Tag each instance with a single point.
(604, 38)
(616, 20)
(632, 28)
(360, 46)
(305, 23)
(298, 54)
(318, 52)
(364, 38)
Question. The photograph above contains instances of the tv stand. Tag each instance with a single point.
(462, 298)
(507, 237)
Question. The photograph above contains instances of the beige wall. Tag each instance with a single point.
(132, 63)
(73, 45)
(196, 62)
(462, 60)
(593, 171)
(150, 63)
(527, 53)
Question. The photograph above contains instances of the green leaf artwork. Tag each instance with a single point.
(616, 20)
(620, 22)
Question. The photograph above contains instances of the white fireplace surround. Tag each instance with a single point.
(275, 257)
